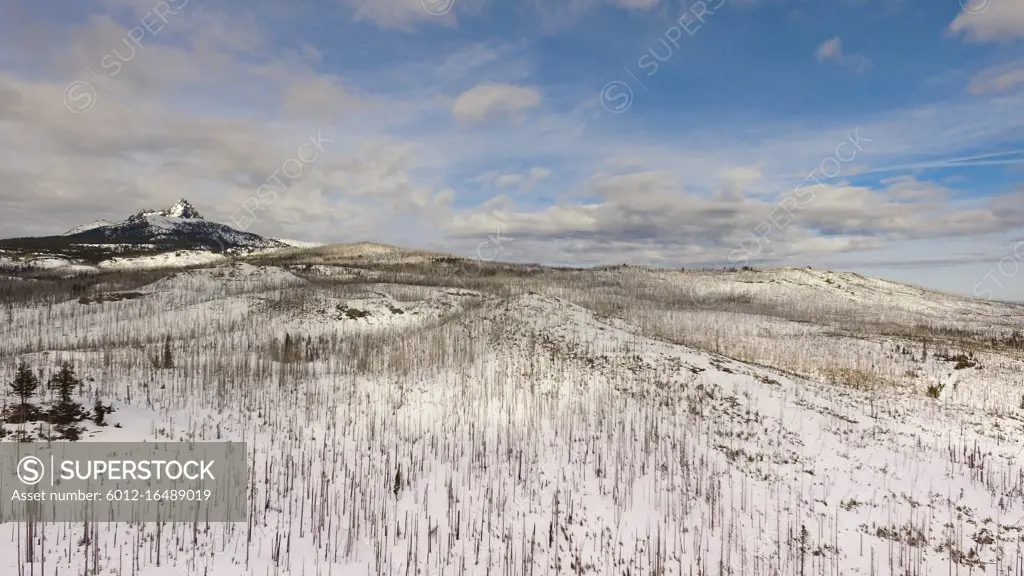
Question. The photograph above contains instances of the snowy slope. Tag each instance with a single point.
(435, 430)
(837, 290)
(178, 259)
(299, 243)
(86, 227)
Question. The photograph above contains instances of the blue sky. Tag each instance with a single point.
(442, 122)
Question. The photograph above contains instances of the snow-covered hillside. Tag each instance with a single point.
(525, 421)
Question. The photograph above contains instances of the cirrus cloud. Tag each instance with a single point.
(998, 78)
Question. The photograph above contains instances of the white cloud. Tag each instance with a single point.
(646, 211)
(990, 21)
(508, 180)
(553, 16)
(636, 4)
(519, 181)
(538, 173)
(399, 14)
(739, 180)
(832, 50)
(487, 101)
(318, 97)
(998, 78)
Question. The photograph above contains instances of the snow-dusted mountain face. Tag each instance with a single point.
(182, 209)
(86, 227)
(147, 233)
(414, 413)
(180, 226)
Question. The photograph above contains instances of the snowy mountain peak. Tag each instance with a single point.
(182, 209)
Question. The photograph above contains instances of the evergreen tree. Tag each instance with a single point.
(289, 349)
(24, 387)
(64, 383)
(310, 352)
(398, 481)
(168, 361)
(100, 413)
(25, 383)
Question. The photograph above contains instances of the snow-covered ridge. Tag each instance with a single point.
(181, 210)
(850, 292)
(300, 243)
(178, 259)
(87, 227)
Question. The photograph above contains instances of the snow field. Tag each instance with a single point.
(481, 433)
